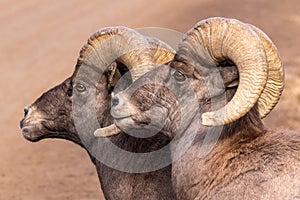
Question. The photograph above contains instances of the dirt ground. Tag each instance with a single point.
(40, 41)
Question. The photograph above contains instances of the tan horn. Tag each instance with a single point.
(275, 82)
(162, 53)
(120, 44)
(107, 131)
(221, 39)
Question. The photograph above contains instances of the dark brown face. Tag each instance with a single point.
(53, 114)
(50, 115)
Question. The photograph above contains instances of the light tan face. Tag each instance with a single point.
(163, 100)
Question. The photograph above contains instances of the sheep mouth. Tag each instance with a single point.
(121, 120)
(35, 132)
(118, 116)
(130, 120)
(29, 132)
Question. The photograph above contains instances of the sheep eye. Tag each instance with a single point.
(80, 87)
(180, 77)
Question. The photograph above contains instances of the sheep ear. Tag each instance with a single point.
(230, 75)
(222, 78)
(113, 75)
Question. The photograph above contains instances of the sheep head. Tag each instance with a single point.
(108, 55)
(217, 59)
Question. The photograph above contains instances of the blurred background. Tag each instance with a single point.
(40, 42)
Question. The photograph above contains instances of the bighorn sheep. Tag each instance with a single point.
(108, 54)
(225, 77)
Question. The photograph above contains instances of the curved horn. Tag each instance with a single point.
(162, 52)
(107, 131)
(120, 44)
(219, 39)
(275, 82)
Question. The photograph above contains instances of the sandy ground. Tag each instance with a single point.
(40, 41)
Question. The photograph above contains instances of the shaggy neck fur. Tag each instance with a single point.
(194, 176)
(122, 185)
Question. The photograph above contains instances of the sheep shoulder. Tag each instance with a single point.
(267, 167)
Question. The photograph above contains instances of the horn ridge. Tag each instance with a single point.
(218, 39)
(120, 44)
(275, 82)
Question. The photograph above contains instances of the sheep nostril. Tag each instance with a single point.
(115, 101)
(26, 110)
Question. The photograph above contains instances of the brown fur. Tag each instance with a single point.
(247, 162)
(55, 112)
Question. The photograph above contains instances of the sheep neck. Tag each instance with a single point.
(191, 172)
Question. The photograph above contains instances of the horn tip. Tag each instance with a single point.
(107, 131)
(209, 119)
